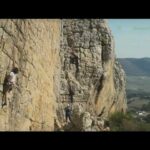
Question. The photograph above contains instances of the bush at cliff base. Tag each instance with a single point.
(125, 122)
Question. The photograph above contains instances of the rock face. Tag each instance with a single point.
(90, 75)
(33, 46)
(60, 62)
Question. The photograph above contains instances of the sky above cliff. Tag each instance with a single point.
(132, 37)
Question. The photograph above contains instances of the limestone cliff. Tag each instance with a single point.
(60, 62)
(90, 75)
(32, 46)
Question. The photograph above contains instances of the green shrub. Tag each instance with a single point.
(146, 107)
(147, 118)
(125, 122)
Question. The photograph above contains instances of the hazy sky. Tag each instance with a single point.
(132, 37)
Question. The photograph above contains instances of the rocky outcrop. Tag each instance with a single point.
(90, 74)
(83, 121)
(60, 62)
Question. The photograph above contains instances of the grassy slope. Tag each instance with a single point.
(138, 83)
(137, 74)
(136, 66)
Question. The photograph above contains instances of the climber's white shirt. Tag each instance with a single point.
(13, 80)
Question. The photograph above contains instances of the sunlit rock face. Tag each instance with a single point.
(60, 62)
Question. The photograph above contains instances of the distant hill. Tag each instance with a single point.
(137, 76)
(136, 66)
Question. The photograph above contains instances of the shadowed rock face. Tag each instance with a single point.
(90, 75)
(60, 62)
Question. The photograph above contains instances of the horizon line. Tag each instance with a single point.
(132, 57)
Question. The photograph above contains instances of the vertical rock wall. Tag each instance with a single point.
(60, 62)
(90, 75)
(32, 46)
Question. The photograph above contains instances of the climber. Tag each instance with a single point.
(68, 113)
(9, 83)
